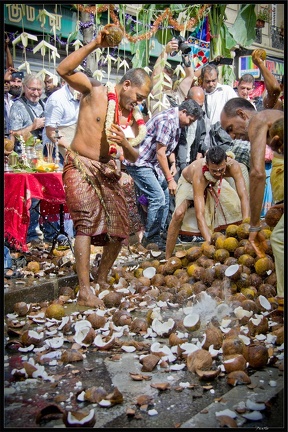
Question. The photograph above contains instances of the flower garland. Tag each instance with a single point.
(110, 117)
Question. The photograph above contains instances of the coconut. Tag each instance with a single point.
(248, 249)
(249, 292)
(238, 252)
(56, 311)
(243, 281)
(221, 255)
(232, 346)
(246, 260)
(213, 336)
(187, 288)
(233, 272)
(79, 418)
(193, 253)
(33, 266)
(115, 35)
(8, 145)
(174, 339)
(234, 363)
(231, 230)
(192, 322)
(171, 265)
(158, 280)
(208, 249)
(139, 325)
(31, 337)
(67, 291)
(263, 304)
(121, 318)
(238, 377)
(220, 241)
(279, 333)
(193, 271)
(199, 359)
(258, 325)
(249, 305)
(21, 308)
(273, 215)
(163, 329)
(243, 231)
(149, 362)
(165, 296)
(215, 236)
(257, 356)
(267, 290)
(263, 266)
(230, 244)
(97, 321)
(208, 275)
(172, 281)
(138, 272)
(216, 292)
(112, 299)
(255, 280)
(205, 262)
(149, 272)
(145, 281)
(230, 261)
(220, 270)
(266, 233)
(271, 279)
(198, 287)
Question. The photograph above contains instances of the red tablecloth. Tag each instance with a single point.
(18, 190)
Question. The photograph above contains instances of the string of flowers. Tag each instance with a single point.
(110, 117)
(165, 14)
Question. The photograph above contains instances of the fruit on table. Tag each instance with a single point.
(8, 145)
(43, 166)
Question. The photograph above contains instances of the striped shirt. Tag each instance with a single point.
(163, 128)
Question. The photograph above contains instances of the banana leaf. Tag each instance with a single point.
(243, 29)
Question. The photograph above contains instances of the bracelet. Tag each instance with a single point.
(254, 229)
(169, 179)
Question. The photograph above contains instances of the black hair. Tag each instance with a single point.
(216, 155)
(137, 76)
(208, 69)
(192, 108)
(247, 78)
(231, 107)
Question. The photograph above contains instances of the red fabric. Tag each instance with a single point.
(18, 190)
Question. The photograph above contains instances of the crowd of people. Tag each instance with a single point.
(187, 168)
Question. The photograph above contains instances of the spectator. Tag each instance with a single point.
(161, 71)
(27, 117)
(245, 87)
(94, 195)
(151, 172)
(7, 101)
(215, 204)
(191, 143)
(51, 85)
(16, 87)
(61, 112)
(240, 119)
(216, 95)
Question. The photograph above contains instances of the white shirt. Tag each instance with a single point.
(216, 100)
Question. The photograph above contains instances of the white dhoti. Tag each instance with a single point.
(217, 216)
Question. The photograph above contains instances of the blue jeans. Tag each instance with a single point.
(34, 231)
(157, 192)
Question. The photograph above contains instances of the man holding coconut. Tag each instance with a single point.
(91, 180)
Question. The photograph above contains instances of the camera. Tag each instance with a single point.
(17, 75)
(182, 46)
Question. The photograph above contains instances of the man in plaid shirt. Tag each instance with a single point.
(154, 170)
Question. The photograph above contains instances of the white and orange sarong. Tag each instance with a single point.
(221, 209)
(95, 198)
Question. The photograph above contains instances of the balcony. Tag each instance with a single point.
(276, 38)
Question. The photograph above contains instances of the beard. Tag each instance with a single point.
(15, 91)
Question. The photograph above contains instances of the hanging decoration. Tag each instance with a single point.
(167, 13)
(200, 51)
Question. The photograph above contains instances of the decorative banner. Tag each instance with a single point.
(200, 51)
(246, 65)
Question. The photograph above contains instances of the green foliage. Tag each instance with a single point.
(243, 29)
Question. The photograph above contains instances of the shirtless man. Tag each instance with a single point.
(203, 183)
(91, 180)
(242, 121)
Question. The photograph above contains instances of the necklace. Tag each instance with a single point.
(113, 115)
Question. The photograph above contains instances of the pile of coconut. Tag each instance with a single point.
(210, 309)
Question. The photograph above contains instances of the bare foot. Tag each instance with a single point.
(88, 298)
